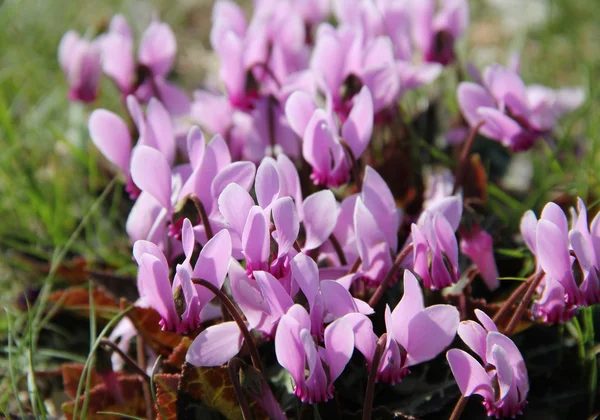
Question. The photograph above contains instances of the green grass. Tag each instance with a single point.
(52, 205)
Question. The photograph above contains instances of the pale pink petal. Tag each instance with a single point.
(358, 128)
(267, 185)
(306, 274)
(240, 173)
(286, 223)
(213, 261)
(409, 306)
(470, 376)
(339, 345)
(111, 136)
(338, 301)
(430, 332)
(299, 109)
(379, 200)
(278, 300)
(320, 215)
(157, 48)
(256, 239)
(160, 122)
(151, 172)
(215, 345)
(235, 204)
(195, 146)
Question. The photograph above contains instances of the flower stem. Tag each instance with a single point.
(464, 156)
(234, 367)
(141, 362)
(355, 266)
(353, 163)
(368, 408)
(203, 216)
(508, 303)
(113, 347)
(237, 317)
(384, 284)
(459, 407)
(523, 304)
(338, 249)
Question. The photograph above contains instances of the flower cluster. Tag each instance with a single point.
(556, 249)
(286, 209)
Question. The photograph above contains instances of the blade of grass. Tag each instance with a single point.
(11, 369)
(88, 380)
(94, 347)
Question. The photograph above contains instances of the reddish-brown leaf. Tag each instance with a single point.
(101, 399)
(146, 321)
(78, 300)
(166, 395)
(212, 386)
(71, 373)
(176, 360)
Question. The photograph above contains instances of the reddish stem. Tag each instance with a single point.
(523, 304)
(202, 213)
(384, 284)
(237, 317)
(464, 156)
(369, 396)
(353, 163)
(338, 250)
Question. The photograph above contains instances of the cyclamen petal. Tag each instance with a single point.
(235, 204)
(286, 223)
(158, 47)
(111, 136)
(358, 128)
(215, 345)
(320, 215)
(151, 172)
(379, 200)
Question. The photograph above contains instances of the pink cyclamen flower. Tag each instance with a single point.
(435, 253)
(297, 352)
(415, 334)
(477, 244)
(376, 223)
(436, 33)
(321, 146)
(327, 299)
(548, 240)
(146, 78)
(501, 376)
(514, 114)
(80, 60)
(585, 242)
(156, 289)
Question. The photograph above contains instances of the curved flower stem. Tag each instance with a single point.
(458, 408)
(464, 156)
(141, 357)
(113, 347)
(373, 377)
(507, 305)
(269, 72)
(338, 249)
(523, 304)
(353, 163)
(202, 212)
(228, 304)
(233, 367)
(355, 266)
(384, 284)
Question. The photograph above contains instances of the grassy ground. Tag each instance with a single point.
(57, 201)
